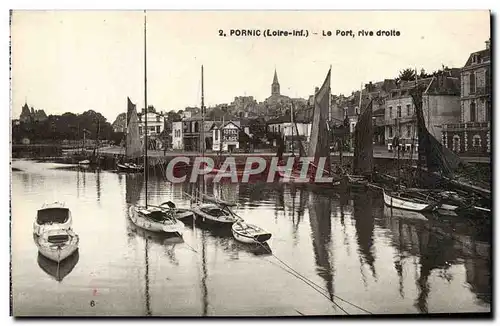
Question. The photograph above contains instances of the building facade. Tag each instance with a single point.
(440, 105)
(177, 135)
(472, 135)
(226, 137)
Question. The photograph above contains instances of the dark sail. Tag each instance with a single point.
(319, 144)
(363, 138)
(436, 157)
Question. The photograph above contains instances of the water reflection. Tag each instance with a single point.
(320, 220)
(55, 270)
(407, 262)
(365, 225)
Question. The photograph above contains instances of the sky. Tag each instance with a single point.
(73, 61)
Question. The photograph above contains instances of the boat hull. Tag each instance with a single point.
(225, 221)
(57, 252)
(407, 204)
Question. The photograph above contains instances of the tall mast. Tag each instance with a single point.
(202, 144)
(145, 116)
(292, 120)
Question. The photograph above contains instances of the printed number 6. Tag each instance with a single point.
(92, 303)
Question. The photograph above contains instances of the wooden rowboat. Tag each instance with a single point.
(249, 233)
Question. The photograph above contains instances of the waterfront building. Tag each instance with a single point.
(440, 105)
(472, 134)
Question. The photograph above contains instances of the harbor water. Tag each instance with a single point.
(330, 253)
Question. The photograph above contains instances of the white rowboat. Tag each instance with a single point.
(399, 199)
(249, 233)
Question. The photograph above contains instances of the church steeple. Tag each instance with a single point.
(275, 87)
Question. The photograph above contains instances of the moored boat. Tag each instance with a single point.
(403, 200)
(57, 244)
(129, 167)
(156, 219)
(214, 214)
(249, 233)
(52, 216)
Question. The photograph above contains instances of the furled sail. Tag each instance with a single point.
(436, 157)
(133, 147)
(319, 145)
(363, 146)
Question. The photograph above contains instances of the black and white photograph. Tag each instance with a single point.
(280, 163)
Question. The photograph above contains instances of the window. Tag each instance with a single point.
(408, 131)
(472, 112)
(158, 129)
(390, 132)
(157, 118)
(472, 83)
(356, 110)
(399, 111)
(390, 112)
(456, 143)
(345, 112)
(408, 109)
(476, 141)
(216, 134)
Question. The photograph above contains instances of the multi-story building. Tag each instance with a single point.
(440, 105)
(156, 126)
(189, 138)
(226, 137)
(473, 132)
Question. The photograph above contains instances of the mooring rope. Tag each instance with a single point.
(311, 283)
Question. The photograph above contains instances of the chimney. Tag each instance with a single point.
(487, 44)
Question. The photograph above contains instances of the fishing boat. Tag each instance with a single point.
(437, 166)
(249, 233)
(214, 214)
(151, 218)
(52, 217)
(57, 244)
(404, 200)
(319, 142)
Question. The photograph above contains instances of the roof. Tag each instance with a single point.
(287, 118)
(275, 79)
(484, 56)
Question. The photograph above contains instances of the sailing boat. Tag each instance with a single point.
(363, 149)
(440, 163)
(133, 141)
(155, 219)
(319, 146)
(214, 213)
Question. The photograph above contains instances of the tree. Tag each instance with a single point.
(407, 74)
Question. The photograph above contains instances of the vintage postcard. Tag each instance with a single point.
(250, 163)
